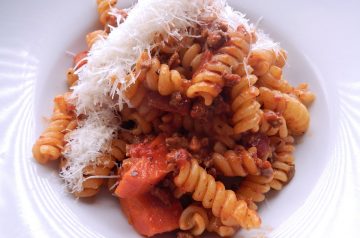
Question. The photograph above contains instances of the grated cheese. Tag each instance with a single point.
(264, 42)
(86, 144)
(114, 57)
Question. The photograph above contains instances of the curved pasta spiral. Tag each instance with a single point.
(253, 188)
(192, 57)
(51, 142)
(239, 163)
(283, 161)
(93, 36)
(272, 124)
(268, 67)
(224, 204)
(261, 60)
(215, 225)
(223, 132)
(141, 125)
(208, 81)
(295, 113)
(303, 94)
(160, 78)
(96, 174)
(195, 219)
(118, 149)
(273, 79)
(104, 7)
(102, 167)
(136, 92)
(246, 109)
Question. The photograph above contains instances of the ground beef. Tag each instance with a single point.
(273, 118)
(258, 140)
(216, 39)
(199, 110)
(174, 60)
(182, 234)
(176, 142)
(220, 107)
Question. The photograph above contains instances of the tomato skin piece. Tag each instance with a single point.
(149, 216)
(78, 59)
(148, 166)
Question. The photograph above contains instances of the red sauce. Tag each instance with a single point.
(163, 103)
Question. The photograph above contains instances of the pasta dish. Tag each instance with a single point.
(179, 109)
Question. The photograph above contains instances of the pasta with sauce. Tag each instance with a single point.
(183, 111)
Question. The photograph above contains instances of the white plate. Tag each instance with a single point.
(322, 39)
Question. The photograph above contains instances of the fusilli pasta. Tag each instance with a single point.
(51, 142)
(244, 105)
(208, 81)
(196, 124)
(295, 113)
(104, 7)
(215, 225)
(253, 188)
(195, 219)
(240, 162)
(273, 124)
(224, 204)
(283, 161)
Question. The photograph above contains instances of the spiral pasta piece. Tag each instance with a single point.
(283, 161)
(268, 67)
(215, 225)
(296, 115)
(94, 36)
(261, 60)
(141, 125)
(104, 7)
(223, 132)
(95, 175)
(253, 189)
(118, 149)
(208, 81)
(272, 124)
(160, 78)
(303, 94)
(194, 219)
(224, 204)
(51, 142)
(273, 79)
(192, 57)
(239, 163)
(246, 109)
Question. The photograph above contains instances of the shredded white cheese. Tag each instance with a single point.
(86, 144)
(114, 56)
(264, 42)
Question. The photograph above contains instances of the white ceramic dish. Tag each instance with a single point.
(322, 40)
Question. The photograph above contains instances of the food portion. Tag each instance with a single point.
(181, 111)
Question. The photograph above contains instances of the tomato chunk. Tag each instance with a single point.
(148, 165)
(149, 215)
